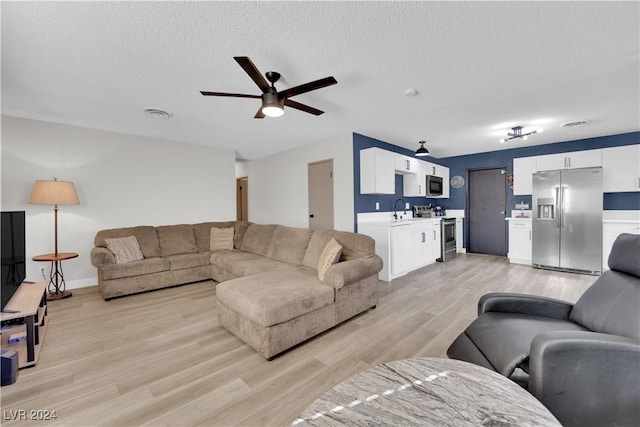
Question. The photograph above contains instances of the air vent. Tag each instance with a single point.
(573, 124)
(158, 114)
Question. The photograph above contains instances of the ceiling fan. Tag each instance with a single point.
(273, 102)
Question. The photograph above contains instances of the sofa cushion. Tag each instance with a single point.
(146, 235)
(289, 244)
(245, 263)
(241, 229)
(176, 239)
(330, 255)
(505, 338)
(276, 297)
(221, 238)
(202, 232)
(135, 268)
(181, 261)
(257, 238)
(353, 246)
(125, 249)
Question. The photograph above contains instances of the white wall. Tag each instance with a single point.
(278, 184)
(122, 180)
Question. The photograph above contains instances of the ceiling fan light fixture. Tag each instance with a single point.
(272, 106)
(422, 151)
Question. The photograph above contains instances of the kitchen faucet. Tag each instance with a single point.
(395, 211)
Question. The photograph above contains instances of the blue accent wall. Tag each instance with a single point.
(459, 165)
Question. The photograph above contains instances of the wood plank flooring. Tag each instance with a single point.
(162, 359)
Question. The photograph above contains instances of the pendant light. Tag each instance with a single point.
(422, 152)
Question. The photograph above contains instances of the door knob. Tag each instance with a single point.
(501, 212)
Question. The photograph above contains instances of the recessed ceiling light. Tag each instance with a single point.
(157, 113)
(411, 92)
(573, 124)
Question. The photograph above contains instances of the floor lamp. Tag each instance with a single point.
(55, 193)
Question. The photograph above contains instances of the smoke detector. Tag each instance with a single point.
(573, 124)
(157, 113)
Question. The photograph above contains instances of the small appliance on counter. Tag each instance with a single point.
(424, 211)
(439, 211)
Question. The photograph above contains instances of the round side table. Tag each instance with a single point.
(56, 284)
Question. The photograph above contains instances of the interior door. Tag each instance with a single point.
(486, 206)
(242, 199)
(321, 195)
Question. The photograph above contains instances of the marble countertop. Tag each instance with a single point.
(426, 391)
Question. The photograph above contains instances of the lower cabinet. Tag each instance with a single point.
(520, 241)
(404, 246)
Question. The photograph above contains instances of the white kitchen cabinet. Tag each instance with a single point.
(405, 164)
(570, 160)
(523, 170)
(377, 171)
(520, 248)
(621, 169)
(413, 184)
(610, 232)
(446, 185)
(403, 246)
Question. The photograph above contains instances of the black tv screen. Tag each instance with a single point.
(14, 268)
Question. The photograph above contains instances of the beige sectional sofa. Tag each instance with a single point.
(271, 295)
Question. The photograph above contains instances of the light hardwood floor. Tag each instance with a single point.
(161, 358)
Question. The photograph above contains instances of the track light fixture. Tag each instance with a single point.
(422, 152)
(517, 132)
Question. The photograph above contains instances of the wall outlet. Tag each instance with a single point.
(407, 206)
(377, 206)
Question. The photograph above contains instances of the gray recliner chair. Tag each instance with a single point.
(582, 360)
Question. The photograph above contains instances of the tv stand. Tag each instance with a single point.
(24, 322)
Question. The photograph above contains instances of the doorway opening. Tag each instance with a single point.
(320, 179)
(242, 199)
(486, 211)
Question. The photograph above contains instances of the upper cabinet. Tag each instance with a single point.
(413, 184)
(378, 168)
(377, 171)
(621, 169)
(572, 160)
(406, 164)
(523, 170)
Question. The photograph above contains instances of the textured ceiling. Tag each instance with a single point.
(478, 67)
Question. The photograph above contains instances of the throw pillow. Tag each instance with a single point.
(221, 238)
(125, 249)
(329, 256)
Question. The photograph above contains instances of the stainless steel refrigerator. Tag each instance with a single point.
(567, 220)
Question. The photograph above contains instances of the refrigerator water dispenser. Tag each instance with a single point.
(546, 208)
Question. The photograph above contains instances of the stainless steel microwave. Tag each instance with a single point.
(434, 186)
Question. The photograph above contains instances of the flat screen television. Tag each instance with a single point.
(13, 253)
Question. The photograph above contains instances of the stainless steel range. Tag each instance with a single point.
(448, 240)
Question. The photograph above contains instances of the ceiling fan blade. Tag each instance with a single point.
(302, 107)
(259, 114)
(234, 95)
(253, 72)
(307, 87)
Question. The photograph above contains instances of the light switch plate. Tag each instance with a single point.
(377, 206)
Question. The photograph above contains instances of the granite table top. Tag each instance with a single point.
(425, 392)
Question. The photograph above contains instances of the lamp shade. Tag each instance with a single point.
(422, 151)
(54, 193)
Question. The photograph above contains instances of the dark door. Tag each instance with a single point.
(486, 207)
